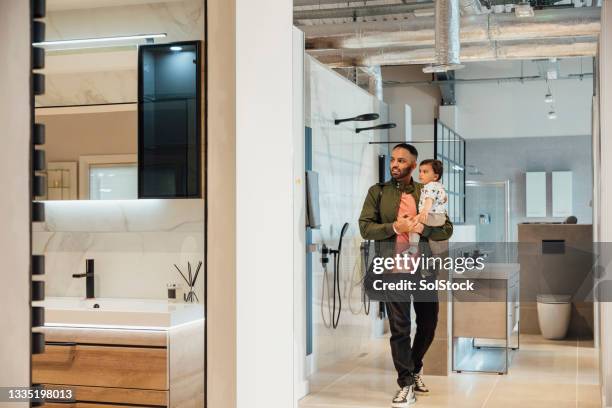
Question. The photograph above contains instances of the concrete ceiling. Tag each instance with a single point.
(54, 5)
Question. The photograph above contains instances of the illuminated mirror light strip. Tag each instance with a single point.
(101, 39)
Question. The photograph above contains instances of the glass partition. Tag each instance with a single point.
(449, 148)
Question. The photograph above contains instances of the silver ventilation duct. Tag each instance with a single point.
(485, 37)
(486, 51)
(448, 44)
(419, 31)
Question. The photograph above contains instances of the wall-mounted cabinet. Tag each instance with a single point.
(562, 193)
(535, 194)
(169, 120)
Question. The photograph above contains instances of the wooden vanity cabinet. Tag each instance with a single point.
(111, 367)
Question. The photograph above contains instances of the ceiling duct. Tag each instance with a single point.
(448, 43)
(487, 51)
(354, 12)
(470, 7)
(414, 31)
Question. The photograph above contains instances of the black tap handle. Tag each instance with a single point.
(82, 275)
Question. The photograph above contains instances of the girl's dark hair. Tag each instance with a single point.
(436, 166)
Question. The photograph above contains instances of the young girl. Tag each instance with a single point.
(433, 203)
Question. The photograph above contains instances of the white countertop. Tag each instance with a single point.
(130, 313)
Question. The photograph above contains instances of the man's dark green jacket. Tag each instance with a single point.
(380, 212)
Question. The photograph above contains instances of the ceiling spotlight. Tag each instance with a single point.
(524, 9)
(548, 98)
(360, 118)
(552, 115)
(377, 127)
(176, 48)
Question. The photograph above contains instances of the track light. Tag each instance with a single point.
(552, 114)
(360, 118)
(548, 98)
(377, 127)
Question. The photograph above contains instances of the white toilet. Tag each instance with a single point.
(554, 312)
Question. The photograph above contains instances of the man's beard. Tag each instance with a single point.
(404, 173)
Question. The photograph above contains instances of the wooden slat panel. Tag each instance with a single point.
(124, 367)
(485, 320)
(88, 405)
(158, 338)
(115, 395)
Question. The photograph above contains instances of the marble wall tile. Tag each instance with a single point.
(90, 88)
(77, 77)
(134, 244)
(347, 167)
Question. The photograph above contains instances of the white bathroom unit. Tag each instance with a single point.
(535, 194)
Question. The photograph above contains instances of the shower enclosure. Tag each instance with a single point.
(488, 208)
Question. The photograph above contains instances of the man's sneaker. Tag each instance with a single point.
(404, 397)
(419, 384)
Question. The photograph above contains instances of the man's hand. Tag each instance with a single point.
(422, 217)
(407, 224)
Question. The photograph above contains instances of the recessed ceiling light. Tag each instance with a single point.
(176, 48)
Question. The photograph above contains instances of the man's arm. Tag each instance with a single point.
(369, 226)
(438, 233)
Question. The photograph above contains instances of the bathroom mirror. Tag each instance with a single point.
(90, 105)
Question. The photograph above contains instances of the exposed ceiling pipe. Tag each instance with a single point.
(413, 31)
(361, 11)
(469, 7)
(447, 41)
(298, 3)
(485, 51)
(533, 78)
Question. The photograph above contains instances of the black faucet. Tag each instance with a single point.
(89, 278)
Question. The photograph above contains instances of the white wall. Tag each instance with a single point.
(515, 109)
(15, 200)
(423, 98)
(605, 198)
(264, 204)
(299, 220)
(347, 167)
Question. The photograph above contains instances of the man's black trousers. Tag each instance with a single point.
(407, 358)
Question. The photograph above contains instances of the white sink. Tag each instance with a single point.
(136, 313)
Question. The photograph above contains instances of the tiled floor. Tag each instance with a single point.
(555, 374)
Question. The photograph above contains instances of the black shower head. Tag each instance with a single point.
(361, 118)
(377, 127)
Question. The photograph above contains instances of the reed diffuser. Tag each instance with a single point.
(190, 279)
